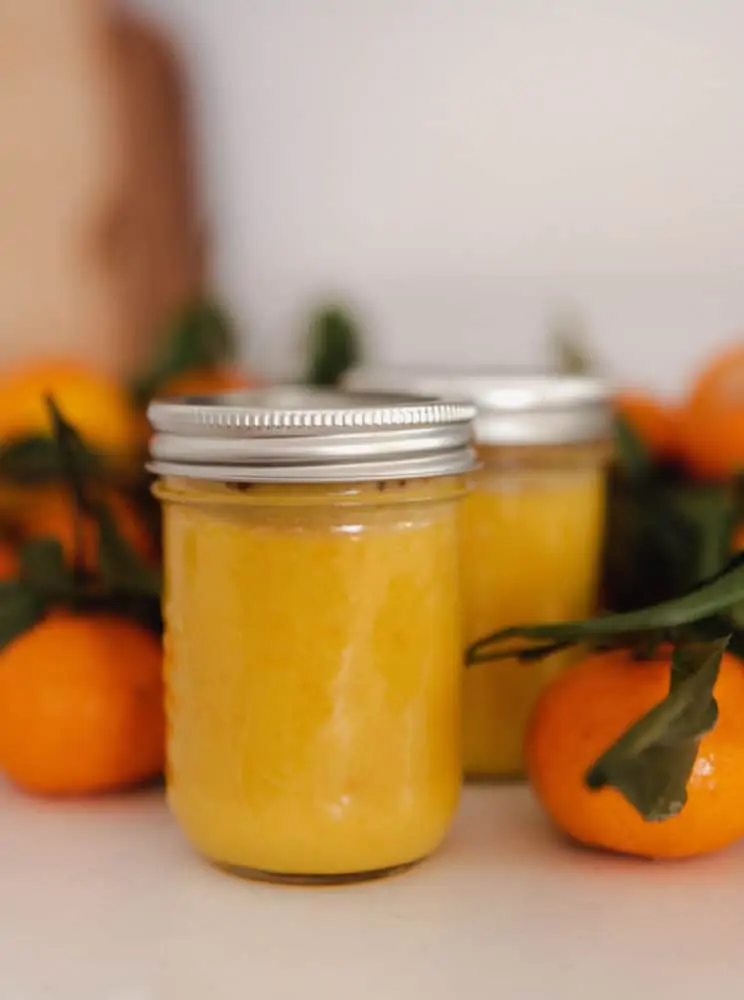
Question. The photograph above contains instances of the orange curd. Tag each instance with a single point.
(313, 646)
(531, 537)
(531, 532)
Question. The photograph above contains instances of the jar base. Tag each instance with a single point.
(284, 878)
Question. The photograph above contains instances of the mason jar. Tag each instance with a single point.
(531, 536)
(313, 631)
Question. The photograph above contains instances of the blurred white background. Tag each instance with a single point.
(460, 170)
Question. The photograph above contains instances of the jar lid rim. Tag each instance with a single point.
(514, 407)
(286, 432)
(498, 388)
(293, 409)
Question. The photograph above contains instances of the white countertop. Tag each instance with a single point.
(103, 900)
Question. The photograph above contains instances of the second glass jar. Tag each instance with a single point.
(531, 533)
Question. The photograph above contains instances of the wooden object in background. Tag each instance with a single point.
(100, 234)
(156, 242)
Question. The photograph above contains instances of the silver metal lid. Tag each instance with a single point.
(513, 408)
(294, 434)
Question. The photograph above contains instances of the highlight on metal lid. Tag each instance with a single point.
(513, 407)
(296, 434)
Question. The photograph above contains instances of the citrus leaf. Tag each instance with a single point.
(43, 567)
(201, 335)
(651, 762)
(74, 456)
(713, 597)
(568, 339)
(334, 347)
(663, 538)
(633, 457)
(35, 460)
(706, 514)
(21, 607)
(571, 355)
(74, 462)
(121, 567)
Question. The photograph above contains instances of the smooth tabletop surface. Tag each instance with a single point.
(104, 900)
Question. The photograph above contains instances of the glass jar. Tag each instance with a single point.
(313, 630)
(531, 536)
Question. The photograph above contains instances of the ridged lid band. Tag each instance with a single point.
(293, 434)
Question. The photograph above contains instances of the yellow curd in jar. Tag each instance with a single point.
(531, 538)
(531, 529)
(313, 659)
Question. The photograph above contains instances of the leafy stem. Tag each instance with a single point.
(201, 335)
(651, 762)
(717, 596)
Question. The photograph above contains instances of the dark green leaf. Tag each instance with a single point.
(36, 460)
(141, 608)
(651, 762)
(568, 346)
(201, 335)
(122, 570)
(707, 514)
(717, 596)
(74, 456)
(43, 567)
(633, 457)
(21, 607)
(334, 347)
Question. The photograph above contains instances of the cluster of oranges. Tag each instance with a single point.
(81, 703)
(704, 432)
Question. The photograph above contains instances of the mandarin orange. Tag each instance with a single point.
(578, 717)
(94, 403)
(81, 706)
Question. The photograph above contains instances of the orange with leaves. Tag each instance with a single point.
(96, 404)
(51, 513)
(585, 710)
(81, 705)
(81, 693)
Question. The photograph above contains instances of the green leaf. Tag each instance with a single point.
(74, 455)
(35, 460)
(43, 567)
(634, 459)
(663, 537)
(122, 569)
(716, 596)
(651, 762)
(334, 347)
(21, 607)
(201, 335)
(708, 515)
(568, 346)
